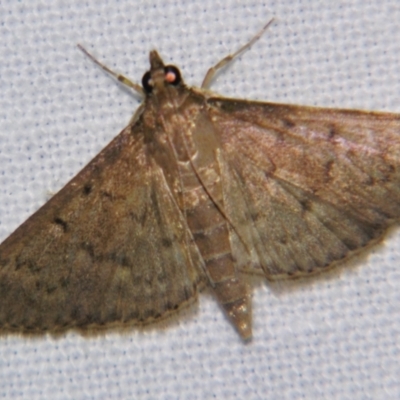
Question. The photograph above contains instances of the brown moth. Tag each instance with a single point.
(196, 190)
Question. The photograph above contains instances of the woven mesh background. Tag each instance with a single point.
(333, 337)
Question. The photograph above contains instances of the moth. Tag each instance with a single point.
(199, 190)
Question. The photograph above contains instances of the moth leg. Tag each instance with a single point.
(226, 60)
(121, 78)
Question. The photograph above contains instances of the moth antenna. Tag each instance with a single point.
(230, 57)
(121, 78)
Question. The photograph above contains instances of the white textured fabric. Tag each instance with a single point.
(332, 337)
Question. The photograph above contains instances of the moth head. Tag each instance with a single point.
(160, 76)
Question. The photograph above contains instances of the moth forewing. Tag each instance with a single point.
(320, 183)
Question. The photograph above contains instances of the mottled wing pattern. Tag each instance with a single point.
(305, 187)
(110, 247)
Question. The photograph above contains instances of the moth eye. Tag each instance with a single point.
(172, 75)
(147, 83)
